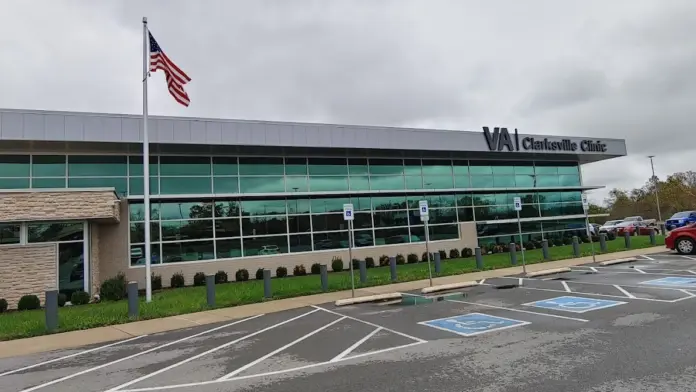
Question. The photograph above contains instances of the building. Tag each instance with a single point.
(230, 194)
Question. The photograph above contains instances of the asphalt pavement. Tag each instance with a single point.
(625, 327)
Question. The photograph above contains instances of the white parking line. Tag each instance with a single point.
(639, 270)
(482, 280)
(608, 295)
(626, 293)
(71, 356)
(519, 310)
(647, 257)
(371, 324)
(690, 294)
(691, 272)
(212, 350)
(689, 257)
(593, 269)
(135, 355)
(565, 286)
(355, 345)
(276, 351)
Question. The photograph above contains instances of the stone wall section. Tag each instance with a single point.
(27, 269)
(76, 204)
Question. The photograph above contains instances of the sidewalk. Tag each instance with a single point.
(75, 339)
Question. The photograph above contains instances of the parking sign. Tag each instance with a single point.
(348, 212)
(423, 207)
(585, 202)
(518, 204)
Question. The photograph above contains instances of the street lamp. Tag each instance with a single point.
(657, 197)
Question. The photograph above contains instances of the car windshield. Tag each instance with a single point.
(684, 214)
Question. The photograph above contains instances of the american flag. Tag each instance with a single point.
(176, 78)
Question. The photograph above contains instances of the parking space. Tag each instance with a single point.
(315, 340)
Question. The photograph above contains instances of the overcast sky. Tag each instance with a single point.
(619, 68)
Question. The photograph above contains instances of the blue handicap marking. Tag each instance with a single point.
(574, 304)
(473, 324)
(672, 281)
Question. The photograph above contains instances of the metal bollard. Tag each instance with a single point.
(603, 242)
(513, 253)
(479, 258)
(210, 289)
(627, 239)
(267, 284)
(51, 308)
(133, 302)
(437, 263)
(653, 240)
(392, 268)
(545, 249)
(324, 274)
(576, 247)
(363, 271)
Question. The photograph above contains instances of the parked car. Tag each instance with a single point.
(680, 219)
(269, 250)
(609, 226)
(634, 228)
(633, 219)
(682, 239)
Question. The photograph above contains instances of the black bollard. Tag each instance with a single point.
(479, 258)
(545, 249)
(51, 306)
(392, 268)
(652, 238)
(437, 263)
(267, 284)
(603, 242)
(323, 271)
(210, 289)
(627, 239)
(363, 271)
(513, 254)
(576, 247)
(133, 302)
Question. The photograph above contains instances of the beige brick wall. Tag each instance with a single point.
(27, 269)
(113, 254)
(37, 205)
(94, 256)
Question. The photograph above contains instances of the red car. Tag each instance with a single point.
(634, 228)
(683, 240)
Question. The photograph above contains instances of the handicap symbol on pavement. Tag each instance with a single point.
(473, 324)
(672, 281)
(574, 304)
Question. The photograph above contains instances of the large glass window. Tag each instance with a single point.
(14, 166)
(48, 166)
(97, 166)
(9, 233)
(261, 166)
(328, 166)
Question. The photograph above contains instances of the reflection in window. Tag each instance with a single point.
(228, 248)
(298, 206)
(120, 184)
(296, 184)
(54, 232)
(329, 204)
(135, 165)
(362, 221)
(262, 184)
(186, 230)
(137, 253)
(137, 232)
(357, 166)
(184, 210)
(301, 243)
(363, 238)
(261, 166)
(185, 185)
(386, 166)
(136, 185)
(9, 233)
(391, 218)
(384, 183)
(263, 207)
(438, 182)
(299, 224)
(225, 166)
(227, 208)
(296, 166)
(443, 232)
(328, 183)
(265, 246)
(184, 166)
(264, 225)
(227, 228)
(389, 202)
(48, 166)
(176, 252)
(335, 240)
(329, 222)
(328, 166)
(49, 183)
(71, 267)
(392, 236)
(359, 183)
(225, 185)
(97, 166)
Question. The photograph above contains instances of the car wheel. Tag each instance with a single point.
(685, 246)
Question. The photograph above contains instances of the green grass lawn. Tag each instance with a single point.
(173, 302)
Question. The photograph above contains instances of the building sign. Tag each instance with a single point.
(500, 140)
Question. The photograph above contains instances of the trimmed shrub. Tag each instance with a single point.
(557, 242)
(79, 298)
(529, 246)
(178, 280)
(424, 257)
(29, 302)
(383, 260)
(412, 258)
(4, 305)
(369, 262)
(155, 282)
(113, 289)
(467, 252)
(242, 275)
(400, 259)
(199, 279)
(484, 249)
(315, 269)
(454, 253)
(259, 274)
(337, 264)
(299, 270)
(281, 272)
(443, 254)
(356, 264)
(62, 299)
(221, 277)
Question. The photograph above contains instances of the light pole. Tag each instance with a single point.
(657, 197)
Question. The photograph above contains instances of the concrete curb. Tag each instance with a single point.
(618, 261)
(367, 298)
(451, 286)
(547, 272)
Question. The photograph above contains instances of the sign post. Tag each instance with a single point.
(425, 217)
(586, 208)
(348, 217)
(518, 207)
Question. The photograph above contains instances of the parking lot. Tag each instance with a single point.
(595, 328)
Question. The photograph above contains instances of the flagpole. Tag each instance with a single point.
(146, 165)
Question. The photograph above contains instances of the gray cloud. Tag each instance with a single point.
(585, 67)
